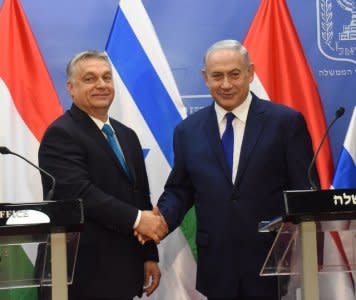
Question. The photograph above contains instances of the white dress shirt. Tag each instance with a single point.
(239, 124)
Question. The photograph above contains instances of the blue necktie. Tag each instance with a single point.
(115, 147)
(227, 141)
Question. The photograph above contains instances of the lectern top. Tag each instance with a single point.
(43, 217)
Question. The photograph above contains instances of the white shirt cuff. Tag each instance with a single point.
(138, 219)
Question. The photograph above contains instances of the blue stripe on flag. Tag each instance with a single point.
(145, 152)
(345, 175)
(143, 83)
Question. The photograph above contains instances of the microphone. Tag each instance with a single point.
(49, 196)
(340, 111)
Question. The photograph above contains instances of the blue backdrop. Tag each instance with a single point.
(186, 28)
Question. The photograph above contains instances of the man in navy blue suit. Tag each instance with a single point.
(237, 182)
(100, 160)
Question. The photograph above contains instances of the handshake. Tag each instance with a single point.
(152, 226)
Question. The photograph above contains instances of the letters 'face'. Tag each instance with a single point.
(91, 86)
(228, 77)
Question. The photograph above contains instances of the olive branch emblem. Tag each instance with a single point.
(326, 22)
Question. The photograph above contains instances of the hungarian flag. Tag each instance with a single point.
(28, 103)
(284, 72)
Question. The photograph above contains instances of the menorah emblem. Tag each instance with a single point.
(336, 30)
(349, 31)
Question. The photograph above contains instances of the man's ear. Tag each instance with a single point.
(205, 76)
(69, 86)
(251, 71)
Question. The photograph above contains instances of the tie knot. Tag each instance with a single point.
(107, 130)
(229, 117)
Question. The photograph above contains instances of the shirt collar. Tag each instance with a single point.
(240, 111)
(100, 123)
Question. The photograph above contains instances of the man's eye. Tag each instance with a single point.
(88, 79)
(216, 76)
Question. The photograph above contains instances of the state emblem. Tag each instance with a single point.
(336, 22)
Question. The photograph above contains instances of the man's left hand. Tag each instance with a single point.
(152, 276)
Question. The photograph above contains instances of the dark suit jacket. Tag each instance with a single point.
(275, 154)
(76, 153)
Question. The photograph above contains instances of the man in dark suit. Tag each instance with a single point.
(233, 168)
(100, 160)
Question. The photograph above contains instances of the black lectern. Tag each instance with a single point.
(39, 244)
(310, 220)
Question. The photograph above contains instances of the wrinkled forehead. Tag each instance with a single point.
(91, 64)
(225, 57)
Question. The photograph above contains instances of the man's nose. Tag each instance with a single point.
(100, 82)
(226, 83)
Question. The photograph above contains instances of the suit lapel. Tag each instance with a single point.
(90, 128)
(126, 150)
(254, 127)
(212, 132)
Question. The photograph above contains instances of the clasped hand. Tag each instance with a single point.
(152, 226)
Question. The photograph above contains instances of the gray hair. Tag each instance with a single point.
(82, 56)
(228, 44)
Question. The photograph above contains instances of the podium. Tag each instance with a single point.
(309, 250)
(39, 244)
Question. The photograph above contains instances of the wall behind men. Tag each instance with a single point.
(186, 28)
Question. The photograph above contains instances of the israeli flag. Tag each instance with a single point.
(345, 175)
(147, 100)
(338, 245)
